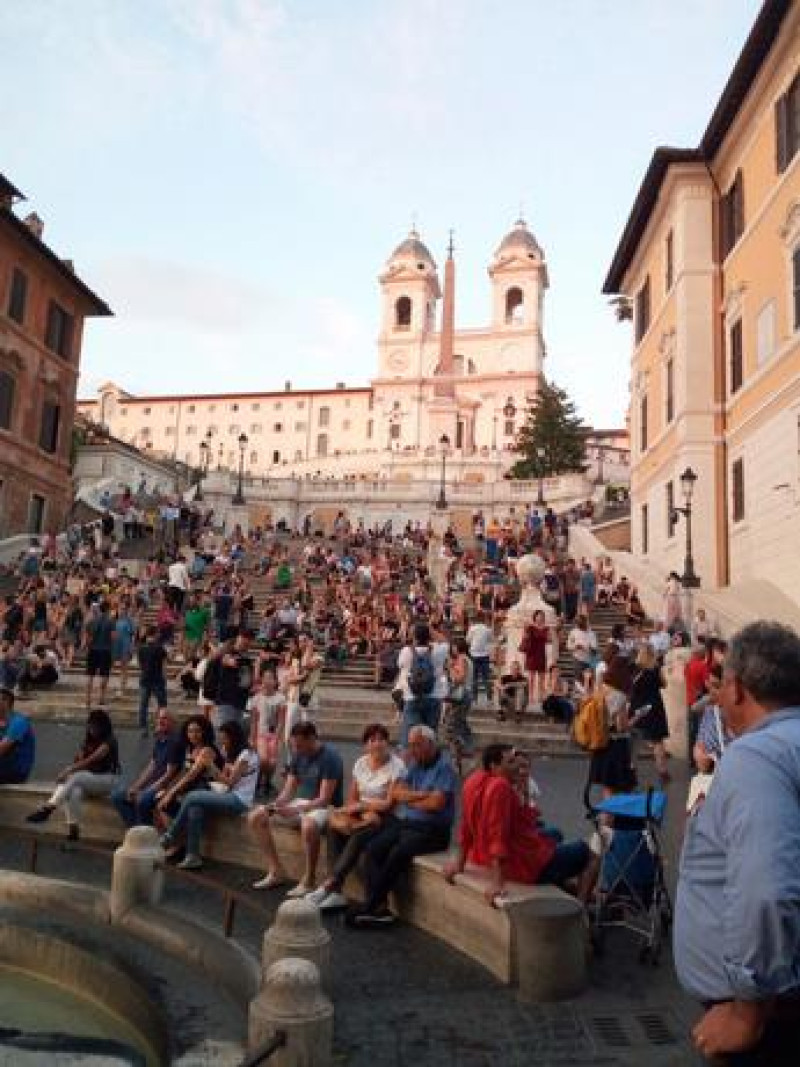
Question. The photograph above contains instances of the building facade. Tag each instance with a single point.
(43, 305)
(709, 268)
(471, 385)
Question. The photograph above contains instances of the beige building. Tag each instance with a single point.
(709, 266)
(474, 385)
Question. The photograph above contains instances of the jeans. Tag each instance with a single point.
(348, 851)
(70, 794)
(138, 812)
(147, 690)
(9, 773)
(391, 851)
(192, 813)
(223, 713)
(419, 711)
(481, 672)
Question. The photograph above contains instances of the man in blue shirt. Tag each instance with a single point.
(136, 802)
(737, 918)
(422, 822)
(17, 741)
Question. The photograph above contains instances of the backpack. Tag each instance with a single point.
(590, 727)
(421, 677)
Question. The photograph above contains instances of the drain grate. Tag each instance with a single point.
(610, 1031)
(655, 1029)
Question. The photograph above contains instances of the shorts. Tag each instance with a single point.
(319, 816)
(569, 860)
(98, 661)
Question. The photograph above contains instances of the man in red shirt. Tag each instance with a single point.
(696, 674)
(501, 832)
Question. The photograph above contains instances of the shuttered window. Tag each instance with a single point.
(732, 214)
(737, 480)
(7, 386)
(787, 126)
(642, 323)
(645, 530)
(58, 335)
(670, 502)
(737, 357)
(48, 431)
(796, 287)
(643, 425)
(18, 296)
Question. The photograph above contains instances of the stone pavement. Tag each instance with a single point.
(404, 998)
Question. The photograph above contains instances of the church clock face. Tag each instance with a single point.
(398, 361)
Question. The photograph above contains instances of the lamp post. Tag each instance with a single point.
(204, 451)
(601, 455)
(540, 456)
(689, 579)
(238, 500)
(444, 446)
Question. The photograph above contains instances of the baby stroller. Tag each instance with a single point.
(631, 891)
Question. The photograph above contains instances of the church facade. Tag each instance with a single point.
(437, 387)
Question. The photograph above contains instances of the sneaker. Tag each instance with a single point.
(270, 881)
(300, 890)
(190, 863)
(317, 896)
(41, 814)
(332, 901)
(374, 918)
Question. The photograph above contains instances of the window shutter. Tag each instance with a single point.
(781, 133)
(6, 400)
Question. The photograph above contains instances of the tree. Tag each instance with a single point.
(553, 438)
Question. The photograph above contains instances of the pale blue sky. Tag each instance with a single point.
(231, 175)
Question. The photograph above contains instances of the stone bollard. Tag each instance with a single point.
(675, 701)
(551, 948)
(137, 877)
(298, 932)
(292, 1001)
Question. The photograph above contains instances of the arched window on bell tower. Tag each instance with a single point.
(515, 302)
(402, 313)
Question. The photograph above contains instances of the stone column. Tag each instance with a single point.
(675, 701)
(137, 876)
(298, 932)
(551, 946)
(291, 1001)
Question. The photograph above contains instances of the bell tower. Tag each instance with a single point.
(519, 279)
(409, 294)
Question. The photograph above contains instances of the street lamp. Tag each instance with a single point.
(689, 579)
(444, 446)
(238, 500)
(540, 455)
(205, 448)
(601, 455)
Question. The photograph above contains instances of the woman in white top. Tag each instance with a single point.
(368, 801)
(232, 792)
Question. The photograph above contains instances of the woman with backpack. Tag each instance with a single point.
(419, 663)
(611, 764)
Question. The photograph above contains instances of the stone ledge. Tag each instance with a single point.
(535, 940)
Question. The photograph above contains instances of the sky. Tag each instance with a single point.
(231, 175)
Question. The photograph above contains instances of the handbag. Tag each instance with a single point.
(346, 824)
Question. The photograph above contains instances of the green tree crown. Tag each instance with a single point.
(552, 440)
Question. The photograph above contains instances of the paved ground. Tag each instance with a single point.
(404, 998)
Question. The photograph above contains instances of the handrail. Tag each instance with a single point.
(265, 1051)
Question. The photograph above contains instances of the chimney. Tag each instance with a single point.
(340, 385)
(288, 387)
(34, 224)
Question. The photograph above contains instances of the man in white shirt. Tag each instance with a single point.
(178, 583)
(479, 642)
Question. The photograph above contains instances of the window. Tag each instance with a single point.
(394, 431)
(346, 424)
(172, 409)
(255, 427)
(324, 417)
(765, 332)
(276, 456)
(36, 514)
(643, 424)
(670, 391)
(645, 530)
(146, 411)
(402, 313)
(278, 427)
(234, 407)
(732, 214)
(233, 428)
(191, 431)
(796, 288)
(48, 430)
(514, 306)
(299, 427)
(169, 431)
(278, 405)
(370, 402)
(123, 413)
(370, 427)
(18, 296)
(322, 444)
(672, 518)
(212, 407)
(255, 407)
(669, 262)
(508, 427)
(298, 454)
(300, 405)
(7, 386)
(190, 409)
(211, 432)
(787, 126)
(735, 336)
(347, 402)
(58, 335)
(738, 490)
(253, 458)
(643, 310)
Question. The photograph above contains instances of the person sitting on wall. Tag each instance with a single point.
(136, 801)
(503, 834)
(17, 741)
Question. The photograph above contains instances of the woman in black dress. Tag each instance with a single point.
(648, 714)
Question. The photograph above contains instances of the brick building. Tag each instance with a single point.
(43, 304)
